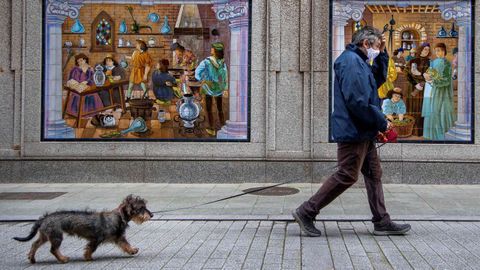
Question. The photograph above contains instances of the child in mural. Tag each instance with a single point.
(141, 65)
(411, 54)
(415, 70)
(438, 101)
(213, 74)
(394, 105)
(187, 60)
(399, 60)
(163, 83)
(81, 76)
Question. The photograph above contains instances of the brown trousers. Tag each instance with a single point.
(352, 158)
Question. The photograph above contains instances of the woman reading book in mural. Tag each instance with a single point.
(213, 74)
(80, 78)
(438, 101)
(141, 64)
(415, 70)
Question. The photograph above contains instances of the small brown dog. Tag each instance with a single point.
(96, 227)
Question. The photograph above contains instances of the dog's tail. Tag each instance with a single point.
(32, 234)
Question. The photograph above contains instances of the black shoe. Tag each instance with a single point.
(306, 224)
(391, 228)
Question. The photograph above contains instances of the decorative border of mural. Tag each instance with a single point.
(208, 140)
(472, 71)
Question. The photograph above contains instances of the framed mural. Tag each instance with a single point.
(429, 90)
(146, 70)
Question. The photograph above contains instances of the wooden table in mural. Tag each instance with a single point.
(109, 86)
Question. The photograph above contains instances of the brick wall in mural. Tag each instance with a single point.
(429, 89)
(146, 70)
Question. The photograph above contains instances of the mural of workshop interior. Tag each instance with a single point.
(429, 89)
(131, 70)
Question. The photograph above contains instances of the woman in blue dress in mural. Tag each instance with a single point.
(437, 108)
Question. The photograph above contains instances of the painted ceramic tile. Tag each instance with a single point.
(428, 93)
(146, 70)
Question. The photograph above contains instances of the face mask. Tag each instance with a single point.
(372, 53)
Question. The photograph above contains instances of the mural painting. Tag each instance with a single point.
(146, 70)
(428, 92)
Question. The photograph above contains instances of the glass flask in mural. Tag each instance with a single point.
(123, 62)
(428, 89)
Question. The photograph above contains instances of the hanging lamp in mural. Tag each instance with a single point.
(165, 27)
(77, 27)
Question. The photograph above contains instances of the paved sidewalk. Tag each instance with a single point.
(408, 202)
(262, 245)
(256, 232)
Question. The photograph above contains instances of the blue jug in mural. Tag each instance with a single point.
(188, 110)
(453, 32)
(165, 27)
(442, 33)
(138, 125)
(77, 27)
(123, 27)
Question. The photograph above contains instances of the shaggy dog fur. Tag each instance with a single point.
(95, 227)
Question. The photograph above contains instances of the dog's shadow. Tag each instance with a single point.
(81, 260)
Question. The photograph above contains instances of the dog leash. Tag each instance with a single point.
(247, 192)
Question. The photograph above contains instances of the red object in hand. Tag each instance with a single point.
(389, 136)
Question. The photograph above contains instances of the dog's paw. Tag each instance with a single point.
(133, 251)
(63, 259)
(31, 259)
(88, 258)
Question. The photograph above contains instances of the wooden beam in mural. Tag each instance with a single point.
(370, 8)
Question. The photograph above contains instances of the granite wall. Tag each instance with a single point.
(289, 69)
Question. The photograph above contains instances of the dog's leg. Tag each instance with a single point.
(90, 249)
(125, 246)
(56, 240)
(42, 239)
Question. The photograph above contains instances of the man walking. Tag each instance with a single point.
(356, 120)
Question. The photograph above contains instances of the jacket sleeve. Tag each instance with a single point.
(380, 68)
(199, 71)
(356, 92)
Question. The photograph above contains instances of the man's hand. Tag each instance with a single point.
(383, 43)
(389, 125)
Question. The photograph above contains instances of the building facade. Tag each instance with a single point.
(275, 126)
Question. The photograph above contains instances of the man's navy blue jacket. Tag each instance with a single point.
(357, 114)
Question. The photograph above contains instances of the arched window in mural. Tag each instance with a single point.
(103, 34)
(430, 50)
(169, 70)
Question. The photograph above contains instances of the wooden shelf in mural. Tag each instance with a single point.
(144, 34)
(74, 47)
(191, 32)
(410, 39)
(445, 37)
(133, 47)
(70, 33)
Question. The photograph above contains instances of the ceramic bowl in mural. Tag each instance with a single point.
(153, 17)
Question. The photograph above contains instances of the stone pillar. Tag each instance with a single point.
(461, 12)
(56, 13)
(237, 13)
(342, 12)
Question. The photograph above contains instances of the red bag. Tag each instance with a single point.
(389, 136)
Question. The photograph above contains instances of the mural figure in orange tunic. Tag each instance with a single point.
(141, 65)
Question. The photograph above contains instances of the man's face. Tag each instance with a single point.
(375, 45)
(81, 61)
(179, 53)
(425, 52)
(396, 98)
(439, 53)
(109, 62)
